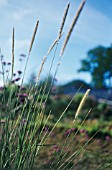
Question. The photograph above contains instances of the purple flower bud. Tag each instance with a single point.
(25, 95)
(9, 63)
(14, 74)
(23, 121)
(22, 100)
(22, 55)
(82, 130)
(55, 146)
(20, 94)
(23, 88)
(19, 72)
(4, 63)
(17, 79)
(73, 129)
(68, 132)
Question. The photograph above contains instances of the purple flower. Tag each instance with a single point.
(56, 148)
(107, 138)
(73, 129)
(25, 94)
(20, 94)
(2, 121)
(22, 55)
(18, 87)
(23, 121)
(23, 88)
(4, 63)
(9, 63)
(22, 100)
(68, 132)
(14, 74)
(82, 130)
(17, 79)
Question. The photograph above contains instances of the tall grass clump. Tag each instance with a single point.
(24, 131)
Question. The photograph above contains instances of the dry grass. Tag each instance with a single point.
(43, 61)
(64, 19)
(33, 37)
(61, 29)
(82, 103)
(72, 26)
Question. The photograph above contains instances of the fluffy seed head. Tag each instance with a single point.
(33, 37)
(72, 26)
(64, 19)
(82, 103)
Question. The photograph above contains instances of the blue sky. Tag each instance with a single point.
(93, 28)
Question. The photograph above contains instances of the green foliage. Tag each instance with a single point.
(57, 105)
(102, 106)
(98, 63)
(104, 110)
(6, 94)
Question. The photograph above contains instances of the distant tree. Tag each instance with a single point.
(99, 64)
